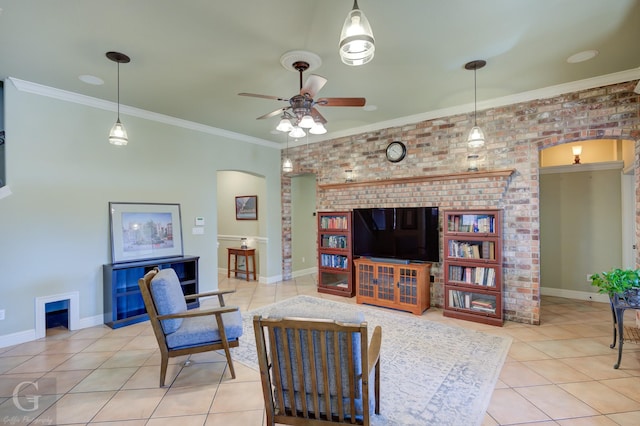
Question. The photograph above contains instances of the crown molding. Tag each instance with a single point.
(67, 96)
(543, 93)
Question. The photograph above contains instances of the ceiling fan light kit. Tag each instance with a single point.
(476, 135)
(118, 134)
(301, 113)
(357, 45)
(318, 129)
(284, 125)
(297, 132)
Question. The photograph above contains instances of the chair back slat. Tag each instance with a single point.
(275, 360)
(313, 369)
(337, 373)
(300, 370)
(352, 379)
(324, 356)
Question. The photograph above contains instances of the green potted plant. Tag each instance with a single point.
(619, 284)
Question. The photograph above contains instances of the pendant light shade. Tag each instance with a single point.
(318, 129)
(306, 122)
(476, 135)
(357, 45)
(287, 165)
(297, 132)
(284, 125)
(118, 134)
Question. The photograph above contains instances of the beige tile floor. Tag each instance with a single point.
(558, 373)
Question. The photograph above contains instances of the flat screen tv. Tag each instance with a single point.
(399, 233)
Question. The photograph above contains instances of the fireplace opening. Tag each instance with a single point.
(57, 314)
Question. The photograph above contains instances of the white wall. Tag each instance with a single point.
(54, 235)
(304, 225)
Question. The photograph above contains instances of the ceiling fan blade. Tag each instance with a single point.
(313, 85)
(350, 102)
(317, 116)
(273, 113)
(254, 95)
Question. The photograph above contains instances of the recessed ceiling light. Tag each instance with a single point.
(370, 107)
(585, 55)
(91, 79)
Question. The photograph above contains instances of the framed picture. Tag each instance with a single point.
(247, 207)
(143, 231)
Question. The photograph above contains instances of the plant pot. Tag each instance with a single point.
(632, 297)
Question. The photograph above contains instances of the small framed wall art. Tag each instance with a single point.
(247, 207)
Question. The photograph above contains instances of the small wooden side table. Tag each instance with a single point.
(247, 253)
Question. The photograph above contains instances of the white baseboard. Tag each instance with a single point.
(276, 278)
(574, 294)
(17, 338)
(91, 321)
(30, 335)
(304, 272)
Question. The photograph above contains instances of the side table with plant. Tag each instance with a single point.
(623, 288)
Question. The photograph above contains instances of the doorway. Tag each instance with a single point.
(304, 247)
(584, 208)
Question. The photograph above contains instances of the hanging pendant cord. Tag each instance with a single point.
(118, 90)
(475, 99)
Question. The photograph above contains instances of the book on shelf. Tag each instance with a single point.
(334, 261)
(471, 223)
(459, 299)
(475, 275)
(334, 241)
(483, 309)
(333, 222)
(484, 302)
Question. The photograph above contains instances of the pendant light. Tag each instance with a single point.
(118, 134)
(476, 135)
(357, 45)
(287, 165)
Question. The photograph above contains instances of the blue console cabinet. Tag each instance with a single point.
(123, 304)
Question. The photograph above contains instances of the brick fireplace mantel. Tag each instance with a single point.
(420, 179)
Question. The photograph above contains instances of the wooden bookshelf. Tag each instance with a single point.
(335, 271)
(473, 265)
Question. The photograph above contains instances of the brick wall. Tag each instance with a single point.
(515, 135)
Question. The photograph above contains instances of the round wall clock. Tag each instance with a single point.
(396, 151)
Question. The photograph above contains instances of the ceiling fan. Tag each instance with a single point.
(301, 113)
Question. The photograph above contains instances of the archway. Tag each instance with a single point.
(584, 208)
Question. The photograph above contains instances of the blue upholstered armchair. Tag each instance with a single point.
(318, 371)
(182, 332)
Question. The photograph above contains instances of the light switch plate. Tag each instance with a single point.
(197, 231)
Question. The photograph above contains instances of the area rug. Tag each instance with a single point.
(432, 373)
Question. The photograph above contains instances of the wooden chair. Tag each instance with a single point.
(320, 373)
(183, 332)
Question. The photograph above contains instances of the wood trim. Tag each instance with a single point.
(420, 179)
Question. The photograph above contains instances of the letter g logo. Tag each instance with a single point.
(32, 399)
